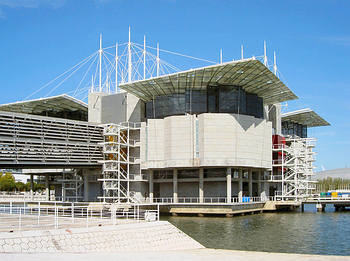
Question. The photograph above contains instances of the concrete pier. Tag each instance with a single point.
(212, 209)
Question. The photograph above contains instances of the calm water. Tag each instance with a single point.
(294, 232)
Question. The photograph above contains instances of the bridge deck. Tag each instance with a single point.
(328, 200)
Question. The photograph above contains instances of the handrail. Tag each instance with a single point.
(208, 200)
(21, 216)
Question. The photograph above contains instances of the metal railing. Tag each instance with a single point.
(23, 216)
(210, 200)
(24, 196)
(328, 198)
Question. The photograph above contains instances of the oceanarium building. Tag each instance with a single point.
(212, 133)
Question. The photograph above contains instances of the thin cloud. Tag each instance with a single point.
(10, 4)
(344, 40)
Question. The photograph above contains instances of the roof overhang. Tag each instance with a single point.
(305, 117)
(58, 103)
(250, 74)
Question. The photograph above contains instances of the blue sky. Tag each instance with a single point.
(42, 38)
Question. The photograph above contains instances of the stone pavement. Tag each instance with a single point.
(144, 236)
(203, 254)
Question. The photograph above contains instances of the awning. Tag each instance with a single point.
(250, 74)
(305, 117)
(58, 103)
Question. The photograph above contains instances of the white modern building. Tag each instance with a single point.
(212, 132)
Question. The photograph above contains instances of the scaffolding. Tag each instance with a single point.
(293, 159)
(118, 157)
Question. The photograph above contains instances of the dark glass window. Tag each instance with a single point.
(225, 99)
(196, 101)
(213, 99)
(291, 128)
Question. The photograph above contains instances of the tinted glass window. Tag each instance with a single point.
(225, 99)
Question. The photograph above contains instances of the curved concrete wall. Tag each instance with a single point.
(209, 139)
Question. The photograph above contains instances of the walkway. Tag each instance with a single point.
(193, 255)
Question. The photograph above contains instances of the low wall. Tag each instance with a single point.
(212, 209)
(143, 236)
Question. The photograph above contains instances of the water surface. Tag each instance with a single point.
(291, 232)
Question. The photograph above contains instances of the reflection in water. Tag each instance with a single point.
(294, 232)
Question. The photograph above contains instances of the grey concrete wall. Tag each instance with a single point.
(135, 109)
(94, 107)
(95, 190)
(223, 140)
(188, 189)
(215, 189)
(234, 140)
(274, 116)
(166, 190)
(114, 108)
(140, 188)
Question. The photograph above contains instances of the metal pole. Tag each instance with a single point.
(265, 57)
(116, 68)
(73, 212)
(157, 59)
(20, 219)
(129, 58)
(220, 55)
(274, 63)
(100, 53)
(158, 212)
(144, 57)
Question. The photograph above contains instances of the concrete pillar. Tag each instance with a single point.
(240, 185)
(267, 188)
(151, 186)
(259, 183)
(31, 186)
(175, 186)
(320, 207)
(228, 184)
(86, 187)
(250, 183)
(201, 185)
(63, 193)
(47, 187)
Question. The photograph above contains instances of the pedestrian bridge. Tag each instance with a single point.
(327, 200)
(45, 142)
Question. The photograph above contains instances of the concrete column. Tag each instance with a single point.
(228, 185)
(259, 183)
(250, 183)
(32, 186)
(175, 185)
(320, 207)
(151, 186)
(63, 193)
(201, 185)
(47, 187)
(267, 188)
(86, 187)
(240, 185)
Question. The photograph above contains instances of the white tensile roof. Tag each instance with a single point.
(250, 74)
(305, 117)
(55, 103)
